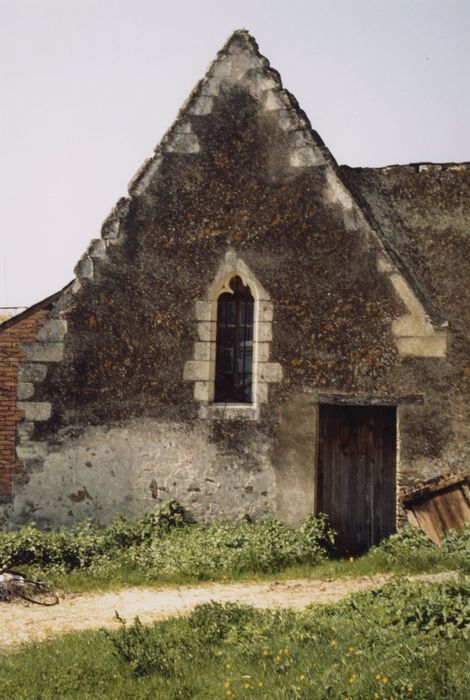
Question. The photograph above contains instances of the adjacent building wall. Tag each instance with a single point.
(17, 332)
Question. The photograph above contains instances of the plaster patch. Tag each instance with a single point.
(184, 464)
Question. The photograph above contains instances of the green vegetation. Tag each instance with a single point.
(161, 548)
(403, 641)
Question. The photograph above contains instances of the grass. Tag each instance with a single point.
(85, 580)
(407, 641)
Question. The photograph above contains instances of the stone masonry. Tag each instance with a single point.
(359, 284)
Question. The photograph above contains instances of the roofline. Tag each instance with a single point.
(44, 303)
(421, 166)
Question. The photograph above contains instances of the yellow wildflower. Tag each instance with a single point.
(378, 676)
(301, 677)
(385, 679)
(226, 684)
(351, 559)
(286, 650)
(247, 685)
(352, 678)
(410, 689)
(260, 684)
(333, 642)
(265, 652)
(228, 665)
(277, 658)
(350, 648)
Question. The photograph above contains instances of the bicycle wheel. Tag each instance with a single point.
(37, 592)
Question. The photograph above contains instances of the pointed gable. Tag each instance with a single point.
(241, 87)
(238, 65)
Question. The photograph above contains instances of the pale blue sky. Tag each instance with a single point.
(88, 87)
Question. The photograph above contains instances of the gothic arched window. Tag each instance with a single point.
(234, 345)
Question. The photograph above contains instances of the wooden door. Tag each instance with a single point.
(356, 483)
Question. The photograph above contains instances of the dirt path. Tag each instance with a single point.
(21, 623)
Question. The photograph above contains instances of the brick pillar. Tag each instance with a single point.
(24, 330)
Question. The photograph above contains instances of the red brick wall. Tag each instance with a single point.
(22, 331)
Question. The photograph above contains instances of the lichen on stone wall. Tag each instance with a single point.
(240, 173)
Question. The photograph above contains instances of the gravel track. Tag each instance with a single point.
(22, 623)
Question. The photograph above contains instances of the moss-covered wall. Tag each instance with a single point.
(242, 171)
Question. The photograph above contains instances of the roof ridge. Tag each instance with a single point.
(419, 167)
(44, 303)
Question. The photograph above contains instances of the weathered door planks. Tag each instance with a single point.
(357, 473)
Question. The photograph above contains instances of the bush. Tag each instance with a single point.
(439, 609)
(168, 647)
(161, 544)
(206, 551)
(150, 649)
(212, 623)
(411, 550)
(457, 541)
(85, 543)
(407, 542)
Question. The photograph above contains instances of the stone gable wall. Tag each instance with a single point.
(115, 424)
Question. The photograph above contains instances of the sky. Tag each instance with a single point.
(89, 87)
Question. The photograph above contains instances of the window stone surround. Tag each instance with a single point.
(201, 368)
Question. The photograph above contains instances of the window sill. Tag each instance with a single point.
(229, 411)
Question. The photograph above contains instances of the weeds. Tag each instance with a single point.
(372, 645)
(406, 641)
(160, 547)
